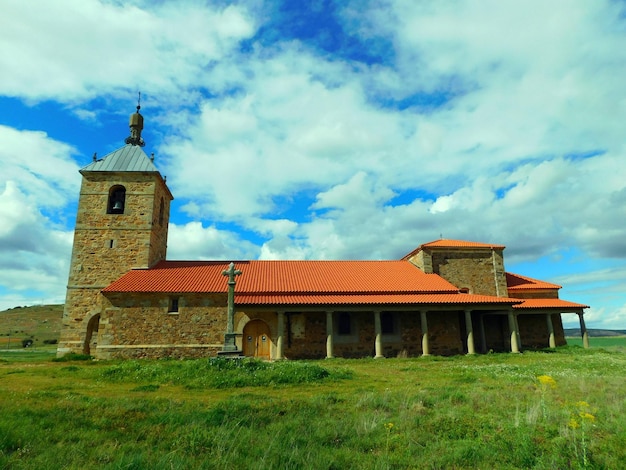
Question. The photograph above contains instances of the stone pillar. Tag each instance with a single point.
(513, 330)
(329, 335)
(230, 343)
(379, 332)
(519, 336)
(280, 353)
(583, 330)
(470, 332)
(552, 339)
(425, 345)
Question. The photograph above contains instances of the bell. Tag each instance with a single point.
(118, 206)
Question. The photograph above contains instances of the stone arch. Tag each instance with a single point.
(91, 335)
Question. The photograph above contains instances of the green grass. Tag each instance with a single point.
(559, 409)
(601, 342)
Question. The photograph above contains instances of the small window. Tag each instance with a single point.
(117, 200)
(464, 290)
(344, 324)
(173, 305)
(386, 323)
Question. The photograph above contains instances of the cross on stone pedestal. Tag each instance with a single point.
(230, 346)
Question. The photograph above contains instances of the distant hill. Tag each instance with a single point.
(39, 323)
(572, 332)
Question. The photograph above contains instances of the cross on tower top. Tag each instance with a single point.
(231, 272)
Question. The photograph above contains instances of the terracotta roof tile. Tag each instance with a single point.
(296, 277)
(371, 299)
(460, 244)
(549, 304)
(518, 282)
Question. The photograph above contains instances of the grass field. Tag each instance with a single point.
(610, 342)
(559, 409)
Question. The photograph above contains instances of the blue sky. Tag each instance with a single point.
(327, 130)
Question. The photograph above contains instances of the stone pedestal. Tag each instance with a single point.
(230, 346)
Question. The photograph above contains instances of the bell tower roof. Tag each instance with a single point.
(127, 158)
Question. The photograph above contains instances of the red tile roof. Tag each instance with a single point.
(517, 282)
(443, 243)
(371, 299)
(459, 244)
(555, 304)
(284, 277)
(303, 283)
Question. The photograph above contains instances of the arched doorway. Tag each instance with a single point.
(256, 339)
(91, 337)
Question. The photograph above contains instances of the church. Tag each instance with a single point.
(125, 299)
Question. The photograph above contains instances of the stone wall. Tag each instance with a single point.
(473, 270)
(140, 325)
(444, 330)
(536, 294)
(534, 330)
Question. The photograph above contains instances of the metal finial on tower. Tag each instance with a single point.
(136, 126)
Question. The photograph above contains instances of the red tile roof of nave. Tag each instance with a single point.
(298, 277)
(552, 304)
(444, 243)
(517, 282)
(372, 299)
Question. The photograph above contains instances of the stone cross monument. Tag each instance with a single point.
(230, 346)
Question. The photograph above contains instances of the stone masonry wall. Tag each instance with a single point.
(534, 330)
(480, 270)
(139, 325)
(536, 294)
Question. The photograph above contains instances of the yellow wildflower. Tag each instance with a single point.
(587, 416)
(547, 380)
(573, 423)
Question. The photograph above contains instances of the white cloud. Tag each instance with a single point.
(42, 166)
(94, 48)
(34, 255)
(38, 175)
(192, 241)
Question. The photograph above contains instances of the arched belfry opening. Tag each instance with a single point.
(117, 200)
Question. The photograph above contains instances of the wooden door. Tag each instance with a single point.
(256, 339)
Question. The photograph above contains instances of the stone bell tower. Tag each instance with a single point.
(122, 223)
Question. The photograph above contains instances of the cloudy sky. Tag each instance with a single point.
(327, 130)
